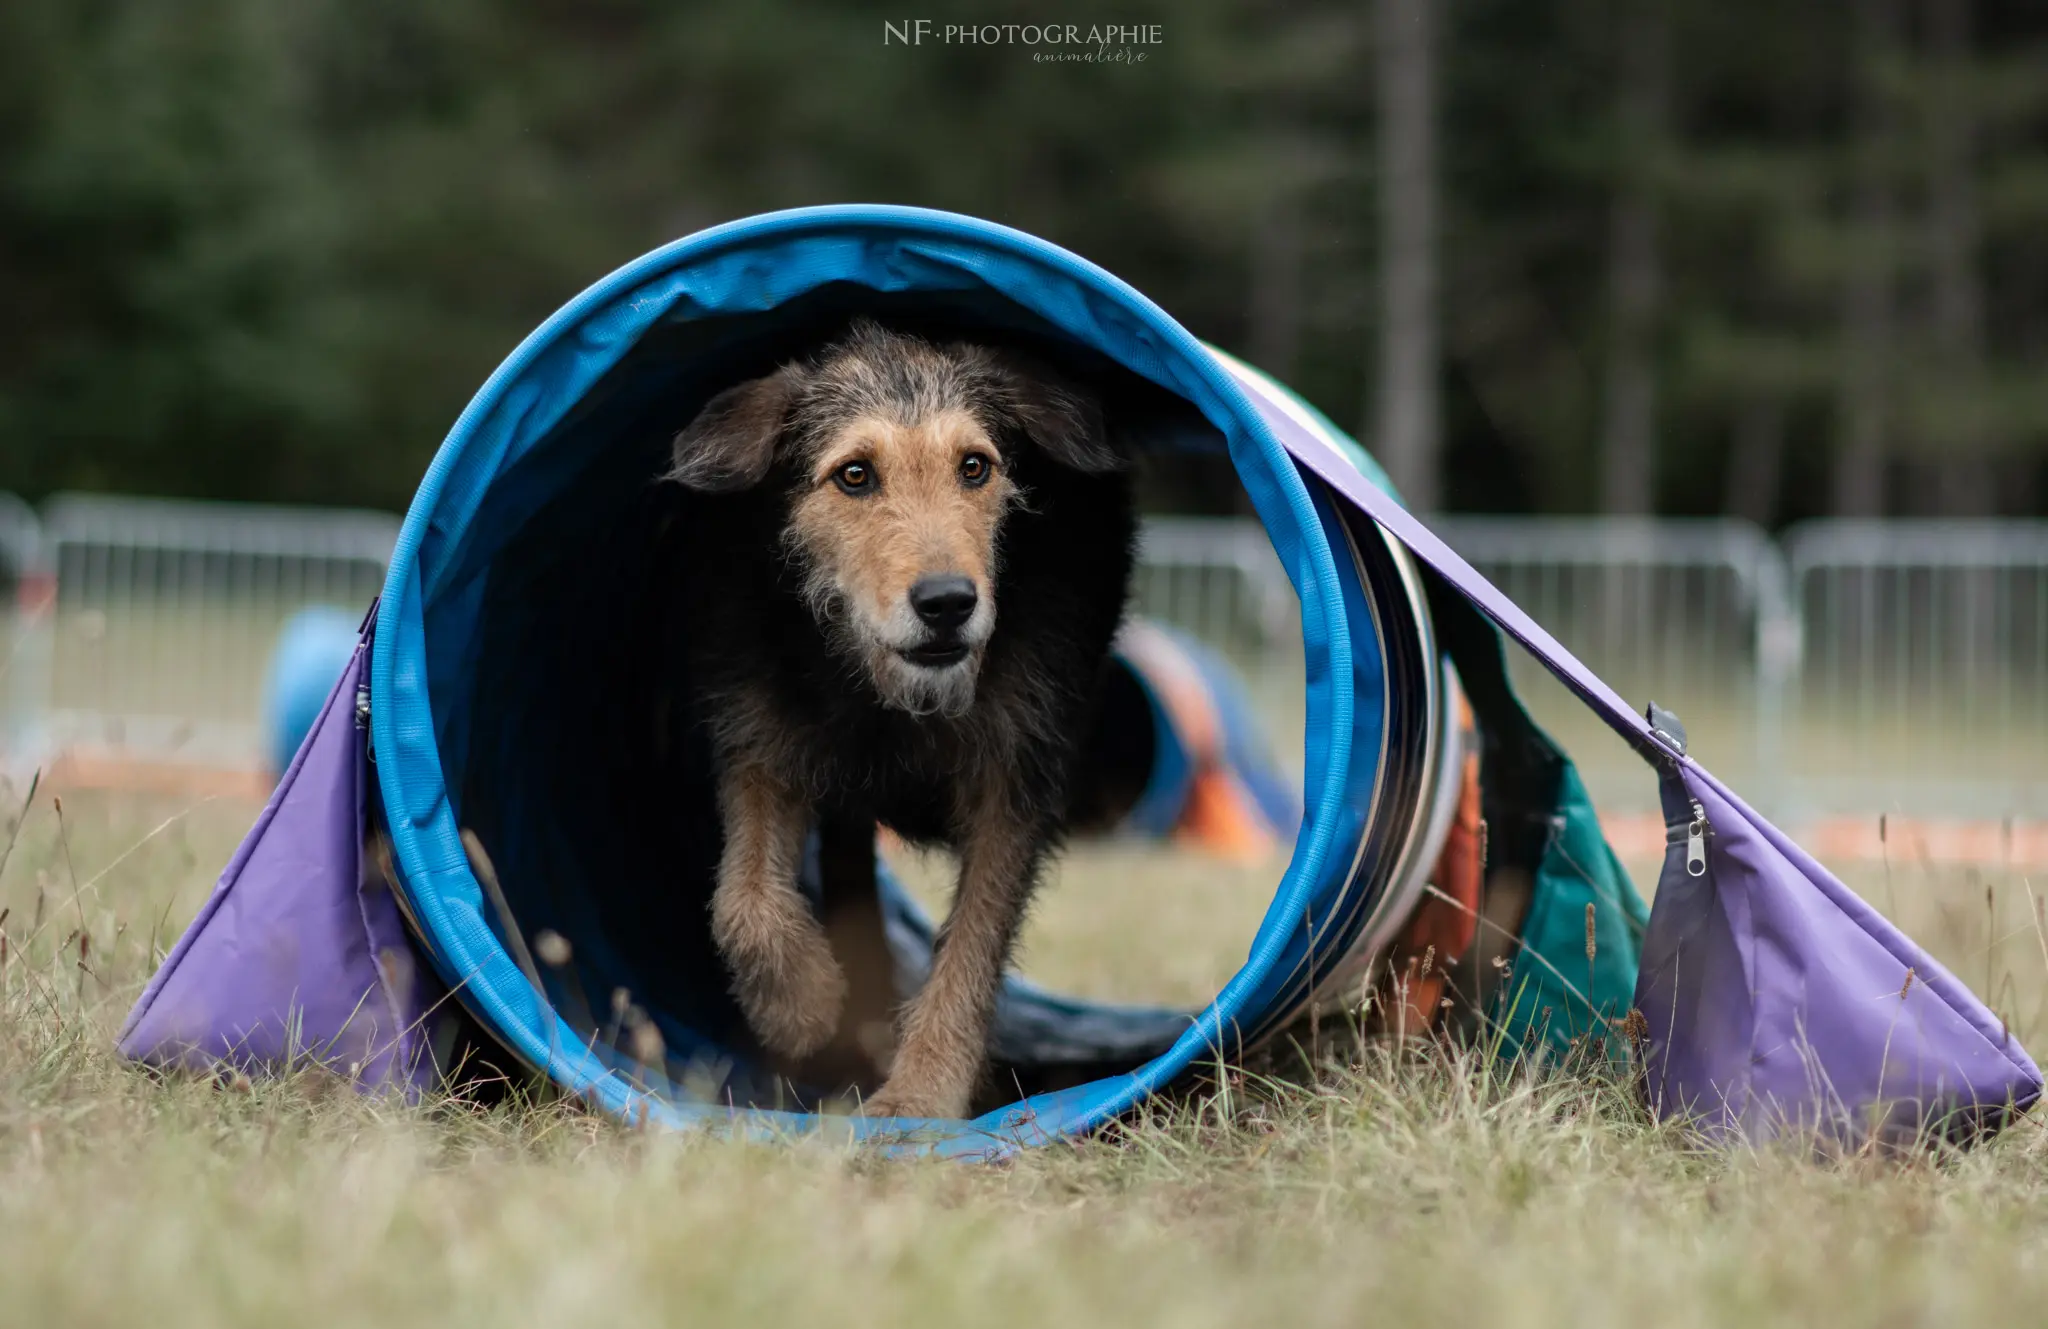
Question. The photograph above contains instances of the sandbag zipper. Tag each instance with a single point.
(1693, 835)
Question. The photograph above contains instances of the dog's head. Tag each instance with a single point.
(900, 459)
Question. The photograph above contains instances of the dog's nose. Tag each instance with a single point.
(943, 602)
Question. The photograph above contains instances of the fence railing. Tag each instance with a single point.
(29, 595)
(1856, 666)
(166, 614)
(1924, 681)
(1691, 614)
(1219, 580)
(1852, 666)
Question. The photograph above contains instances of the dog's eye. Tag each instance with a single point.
(856, 477)
(975, 470)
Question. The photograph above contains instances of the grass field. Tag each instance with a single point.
(1423, 1190)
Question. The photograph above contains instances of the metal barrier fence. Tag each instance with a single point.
(1925, 676)
(1220, 581)
(24, 613)
(167, 612)
(1691, 614)
(1854, 667)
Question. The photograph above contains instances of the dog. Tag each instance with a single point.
(910, 560)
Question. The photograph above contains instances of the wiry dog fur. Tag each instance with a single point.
(824, 496)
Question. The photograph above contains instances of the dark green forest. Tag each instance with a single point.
(1690, 257)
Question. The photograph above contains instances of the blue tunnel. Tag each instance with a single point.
(507, 671)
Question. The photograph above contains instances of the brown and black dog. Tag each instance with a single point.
(909, 562)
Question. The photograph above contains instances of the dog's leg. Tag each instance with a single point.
(945, 1031)
(858, 1054)
(789, 986)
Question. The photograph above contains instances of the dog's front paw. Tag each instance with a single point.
(903, 1100)
(788, 984)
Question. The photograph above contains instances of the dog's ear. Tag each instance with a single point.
(1062, 418)
(731, 443)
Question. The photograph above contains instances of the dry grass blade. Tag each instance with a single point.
(487, 877)
(1408, 1184)
(14, 831)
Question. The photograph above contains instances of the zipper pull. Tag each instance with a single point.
(1696, 842)
(363, 721)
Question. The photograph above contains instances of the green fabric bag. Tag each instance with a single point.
(1560, 992)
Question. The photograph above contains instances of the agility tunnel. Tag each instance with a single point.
(501, 693)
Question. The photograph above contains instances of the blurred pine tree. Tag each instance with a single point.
(267, 251)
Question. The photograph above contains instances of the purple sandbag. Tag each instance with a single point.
(295, 957)
(1777, 1002)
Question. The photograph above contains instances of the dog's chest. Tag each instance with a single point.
(900, 774)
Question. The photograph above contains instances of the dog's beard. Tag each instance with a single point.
(873, 649)
(947, 692)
